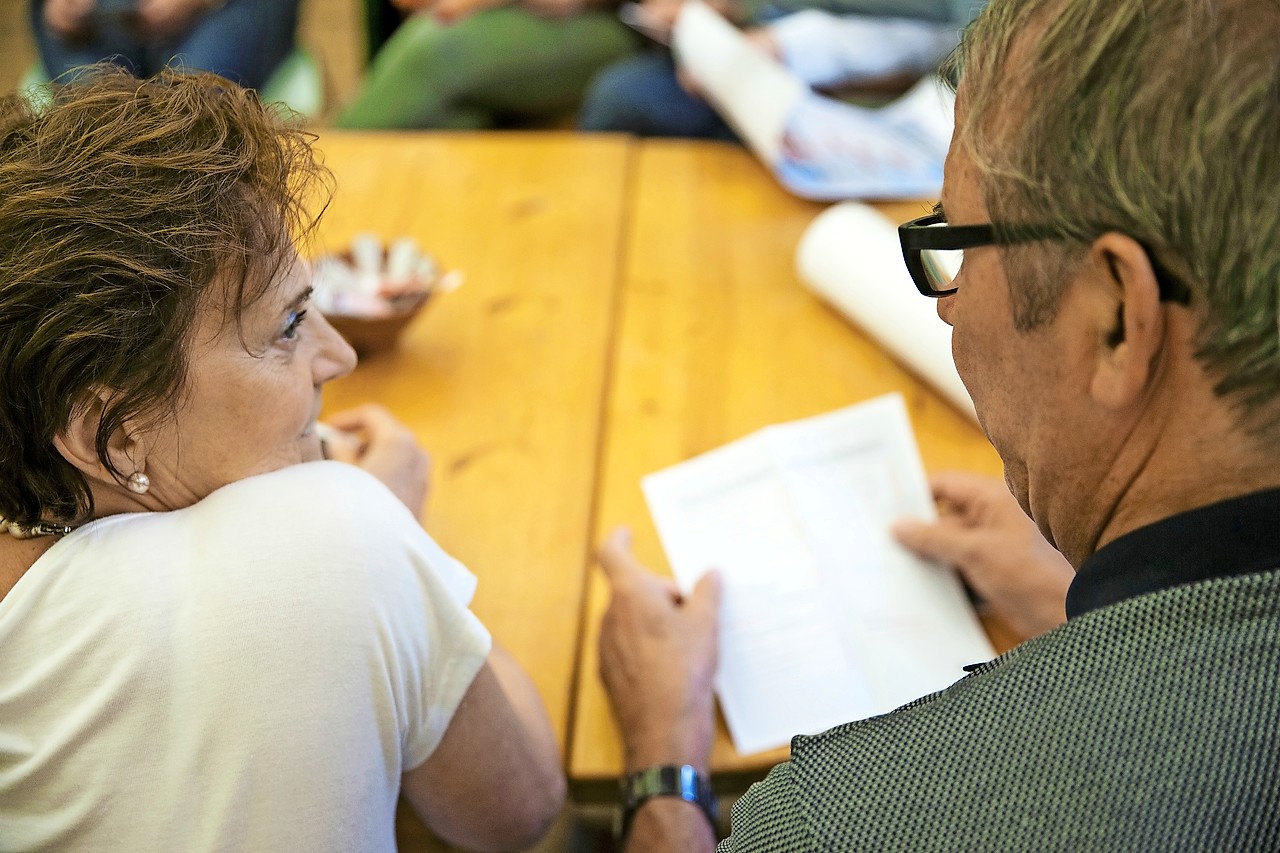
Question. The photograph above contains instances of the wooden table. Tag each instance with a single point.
(627, 305)
(503, 379)
(716, 338)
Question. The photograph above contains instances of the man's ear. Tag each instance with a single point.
(78, 443)
(1130, 319)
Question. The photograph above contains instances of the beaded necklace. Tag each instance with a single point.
(30, 531)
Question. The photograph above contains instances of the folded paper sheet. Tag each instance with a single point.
(851, 257)
(825, 618)
(817, 147)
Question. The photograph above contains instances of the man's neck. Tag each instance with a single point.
(1187, 470)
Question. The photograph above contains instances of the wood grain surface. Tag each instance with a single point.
(502, 380)
(717, 338)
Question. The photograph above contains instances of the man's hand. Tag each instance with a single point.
(555, 8)
(665, 12)
(163, 19)
(449, 11)
(763, 40)
(998, 550)
(68, 18)
(388, 451)
(658, 658)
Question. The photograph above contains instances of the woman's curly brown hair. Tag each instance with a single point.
(121, 202)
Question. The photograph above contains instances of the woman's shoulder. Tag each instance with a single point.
(302, 523)
(316, 506)
(317, 514)
(311, 492)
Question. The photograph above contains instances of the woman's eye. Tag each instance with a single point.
(295, 322)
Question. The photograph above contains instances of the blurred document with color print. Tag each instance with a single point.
(817, 147)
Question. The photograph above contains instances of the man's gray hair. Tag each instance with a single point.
(1159, 119)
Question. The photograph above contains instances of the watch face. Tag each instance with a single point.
(682, 781)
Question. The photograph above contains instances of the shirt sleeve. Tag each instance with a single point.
(958, 12)
(825, 50)
(372, 595)
(770, 816)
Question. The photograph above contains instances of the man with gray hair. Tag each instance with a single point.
(1112, 183)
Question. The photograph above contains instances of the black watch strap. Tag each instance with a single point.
(682, 781)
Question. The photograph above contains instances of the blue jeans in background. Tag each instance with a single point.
(641, 95)
(244, 41)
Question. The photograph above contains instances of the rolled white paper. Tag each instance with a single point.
(851, 257)
(751, 90)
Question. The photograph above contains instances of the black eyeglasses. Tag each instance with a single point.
(934, 250)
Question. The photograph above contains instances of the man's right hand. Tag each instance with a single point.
(983, 532)
(658, 654)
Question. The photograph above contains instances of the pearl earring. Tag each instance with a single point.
(138, 483)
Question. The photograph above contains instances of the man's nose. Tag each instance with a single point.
(945, 308)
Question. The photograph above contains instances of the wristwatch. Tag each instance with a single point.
(666, 780)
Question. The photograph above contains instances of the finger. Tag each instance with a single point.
(957, 486)
(365, 416)
(378, 425)
(946, 540)
(339, 444)
(964, 488)
(688, 82)
(349, 420)
(452, 11)
(614, 555)
(664, 12)
(704, 601)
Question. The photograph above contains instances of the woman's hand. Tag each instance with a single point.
(658, 653)
(998, 550)
(389, 451)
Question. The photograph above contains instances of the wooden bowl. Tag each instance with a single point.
(370, 335)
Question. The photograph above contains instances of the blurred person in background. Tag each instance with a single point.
(829, 44)
(242, 40)
(475, 64)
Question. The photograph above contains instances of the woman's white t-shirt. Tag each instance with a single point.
(254, 672)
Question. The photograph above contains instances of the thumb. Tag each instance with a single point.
(704, 600)
(615, 554)
(944, 541)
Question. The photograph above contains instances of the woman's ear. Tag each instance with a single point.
(78, 443)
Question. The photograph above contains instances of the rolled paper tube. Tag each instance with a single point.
(851, 257)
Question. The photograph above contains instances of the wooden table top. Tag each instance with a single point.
(502, 380)
(717, 337)
(627, 305)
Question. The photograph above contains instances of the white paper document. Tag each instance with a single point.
(817, 147)
(851, 256)
(825, 618)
